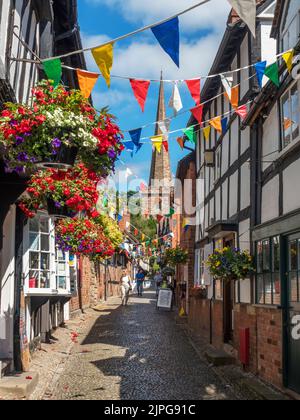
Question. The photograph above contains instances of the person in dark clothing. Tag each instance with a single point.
(140, 278)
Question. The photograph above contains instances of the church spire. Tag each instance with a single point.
(160, 166)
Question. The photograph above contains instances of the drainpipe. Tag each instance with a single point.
(80, 282)
(211, 320)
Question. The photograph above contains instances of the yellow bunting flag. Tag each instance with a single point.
(157, 142)
(104, 57)
(216, 123)
(235, 96)
(143, 237)
(87, 81)
(288, 58)
(206, 132)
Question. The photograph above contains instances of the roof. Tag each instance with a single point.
(184, 164)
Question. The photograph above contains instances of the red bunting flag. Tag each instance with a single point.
(195, 89)
(166, 145)
(159, 218)
(242, 111)
(198, 113)
(140, 89)
(136, 232)
(143, 187)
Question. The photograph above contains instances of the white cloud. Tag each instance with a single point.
(210, 16)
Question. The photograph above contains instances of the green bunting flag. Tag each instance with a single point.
(172, 212)
(272, 72)
(53, 70)
(189, 132)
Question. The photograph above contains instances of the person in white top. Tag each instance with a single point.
(125, 287)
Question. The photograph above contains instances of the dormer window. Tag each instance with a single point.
(290, 31)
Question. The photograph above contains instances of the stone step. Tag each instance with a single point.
(219, 357)
(18, 385)
(261, 391)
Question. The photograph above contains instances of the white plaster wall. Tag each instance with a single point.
(234, 149)
(4, 29)
(270, 202)
(225, 152)
(245, 186)
(233, 205)
(218, 204)
(245, 140)
(244, 62)
(291, 187)
(7, 285)
(270, 142)
(224, 199)
(245, 291)
(212, 210)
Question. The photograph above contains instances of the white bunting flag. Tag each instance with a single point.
(128, 173)
(175, 101)
(164, 126)
(227, 82)
(246, 9)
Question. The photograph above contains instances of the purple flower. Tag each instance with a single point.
(19, 169)
(57, 205)
(19, 140)
(112, 154)
(56, 143)
(23, 157)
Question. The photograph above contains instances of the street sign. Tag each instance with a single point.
(165, 299)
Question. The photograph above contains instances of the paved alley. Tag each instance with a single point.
(136, 353)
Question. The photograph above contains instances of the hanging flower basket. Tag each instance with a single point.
(230, 264)
(83, 236)
(59, 127)
(62, 193)
(174, 256)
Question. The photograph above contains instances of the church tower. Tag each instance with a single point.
(160, 183)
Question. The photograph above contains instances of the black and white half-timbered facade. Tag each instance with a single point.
(248, 199)
(274, 122)
(31, 29)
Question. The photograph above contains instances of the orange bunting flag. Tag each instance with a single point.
(87, 81)
(242, 111)
(198, 113)
(180, 141)
(216, 123)
(235, 96)
(206, 132)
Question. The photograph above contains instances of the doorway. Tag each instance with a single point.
(228, 300)
(292, 312)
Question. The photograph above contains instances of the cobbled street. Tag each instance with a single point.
(136, 353)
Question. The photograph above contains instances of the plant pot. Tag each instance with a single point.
(64, 159)
(54, 211)
(32, 283)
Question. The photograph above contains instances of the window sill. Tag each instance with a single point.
(288, 149)
(262, 306)
(46, 292)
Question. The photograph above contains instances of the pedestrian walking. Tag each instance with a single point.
(126, 287)
(140, 278)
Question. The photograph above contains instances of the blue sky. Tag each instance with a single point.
(141, 56)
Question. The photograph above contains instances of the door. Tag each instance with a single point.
(293, 314)
(228, 303)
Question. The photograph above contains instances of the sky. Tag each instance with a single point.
(141, 56)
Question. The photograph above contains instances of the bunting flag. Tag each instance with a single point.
(157, 142)
(129, 146)
(159, 219)
(246, 9)
(171, 213)
(242, 111)
(272, 72)
(143, 237)
(175, 101)
(288, 58)
(53, 70)
(136, 136)
(190, 133)
(140, 89)
(260, 72)
(167, 34)
(198, 113)
(128, 173)
(104, 57)
(186, 224)
(120, 218)
(105, 201)
(195, 89)
(235, 96)
(87, 81)
(227, 82)
(166, 145)
(164, 126)
(224, 124)
(206, 132)
(136, 232)
(216, 123)
(180, 141)
(138, 148)
(143, 187)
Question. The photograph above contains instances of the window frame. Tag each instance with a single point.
(288, 91)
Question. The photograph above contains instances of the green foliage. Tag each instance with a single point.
(230, 264)
(174, 256)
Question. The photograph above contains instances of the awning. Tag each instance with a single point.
(221, 229)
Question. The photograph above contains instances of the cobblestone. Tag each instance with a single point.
(135, 353)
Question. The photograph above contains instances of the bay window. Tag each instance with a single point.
(290, 31)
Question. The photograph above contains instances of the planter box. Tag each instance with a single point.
(64, 159)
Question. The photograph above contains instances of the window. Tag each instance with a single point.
(290, 115)
(268, 284)
(39, 253)
(218, 164)
(61, 261)
(73, 274)
(291, 27)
